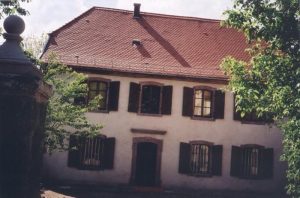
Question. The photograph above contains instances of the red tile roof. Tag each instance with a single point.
(170, 45)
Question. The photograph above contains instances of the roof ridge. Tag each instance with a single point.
(160, 15)
(72, 21)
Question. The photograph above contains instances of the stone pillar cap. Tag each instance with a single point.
(12, 57)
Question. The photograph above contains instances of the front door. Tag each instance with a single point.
(145, 174)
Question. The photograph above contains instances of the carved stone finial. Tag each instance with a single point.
(12, 57)
(14, 25)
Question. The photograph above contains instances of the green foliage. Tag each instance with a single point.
(269, 82)
(63, 116)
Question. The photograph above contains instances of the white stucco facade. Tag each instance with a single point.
(226, 132)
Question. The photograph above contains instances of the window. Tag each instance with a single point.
(200, 158)
(98, 88)
(108, 90)
(250, 117)
(251, 162)
(150, 98)
(91, 153)
(203, 102)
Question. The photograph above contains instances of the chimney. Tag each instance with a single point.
(136, 13)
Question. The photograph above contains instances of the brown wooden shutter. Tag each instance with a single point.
(166, 106)
(219, 104)
(134, 97)
(217, 151)
(235, 169)
(113, 99)
(268, 163)
(184, 158)
(73, 157)
(108, 153)
(188, 103)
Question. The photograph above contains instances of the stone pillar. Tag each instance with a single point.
(23, 101)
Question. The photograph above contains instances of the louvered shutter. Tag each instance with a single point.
(166, 106)
(268, 163)
(134, 97)
(217, 151)
(219, 104)
(73, 156)
(113, 99)
(188, 103)
(235, 169)
(108, 153)
(184, 158)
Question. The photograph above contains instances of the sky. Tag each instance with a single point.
(48, 15)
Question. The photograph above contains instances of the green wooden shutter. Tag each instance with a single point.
(73, 156)
(236, 160)
(108, 153)
(113, 99)
(134, 97)
(217, 151)
(188, 103)
(166, 106)
(219, 104)
(184, 158)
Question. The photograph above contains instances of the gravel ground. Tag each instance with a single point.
(88, 192)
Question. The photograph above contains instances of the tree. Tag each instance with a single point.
(67, 108)
(269, 82)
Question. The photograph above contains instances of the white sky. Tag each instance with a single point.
(48, 15)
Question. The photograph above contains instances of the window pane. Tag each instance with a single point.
(91, 152)
(199, 159)
(207, 103)
(254, 162)
(102, 86)
(150, 99)
(92, 85)
(206, 111)
(102, 103)
(198, 102)
(207, 95)
(197, 111)
(92, 95)
(250, 162)
(198, 94)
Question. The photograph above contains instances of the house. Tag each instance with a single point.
(167, 121)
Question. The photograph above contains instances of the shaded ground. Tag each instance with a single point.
(117, 192)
